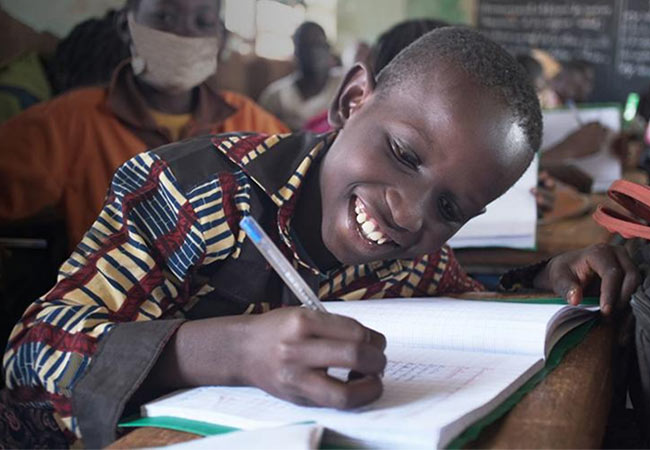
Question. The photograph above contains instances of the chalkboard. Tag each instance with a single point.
(613, 35)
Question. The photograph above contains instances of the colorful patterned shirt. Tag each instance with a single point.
(167, 248)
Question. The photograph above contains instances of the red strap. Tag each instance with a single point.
(633, 197)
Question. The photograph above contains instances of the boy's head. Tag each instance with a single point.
(391, 42)
(449, 125)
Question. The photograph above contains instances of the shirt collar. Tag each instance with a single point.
(129, 105)
(278, 165)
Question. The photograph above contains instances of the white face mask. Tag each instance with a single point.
(169, 62)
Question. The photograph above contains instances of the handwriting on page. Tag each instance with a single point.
(407, 382)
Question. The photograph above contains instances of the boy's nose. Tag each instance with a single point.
(406, 210)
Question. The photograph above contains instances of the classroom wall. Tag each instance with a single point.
(356, 18)
(57, 16)
(366, 19)
(363, 19)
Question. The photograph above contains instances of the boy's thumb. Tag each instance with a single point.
(573, 293)
(568, 285)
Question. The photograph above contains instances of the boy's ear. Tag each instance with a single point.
(356, 87)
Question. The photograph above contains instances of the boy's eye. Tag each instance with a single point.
(406, 157)
(448, 210)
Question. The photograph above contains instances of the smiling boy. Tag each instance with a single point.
(158, 294)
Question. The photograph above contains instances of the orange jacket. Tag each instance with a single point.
(63, 153)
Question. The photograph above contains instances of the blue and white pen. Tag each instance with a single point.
(281, 265)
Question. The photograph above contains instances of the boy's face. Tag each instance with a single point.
(411, 166)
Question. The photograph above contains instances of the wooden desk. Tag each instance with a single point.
(568, 409)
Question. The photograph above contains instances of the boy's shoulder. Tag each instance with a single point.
(270, 160)
(196, 160)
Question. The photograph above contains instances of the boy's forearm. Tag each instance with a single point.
(201, 352)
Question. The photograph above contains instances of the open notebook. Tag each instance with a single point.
(451, 362)
(510, 221)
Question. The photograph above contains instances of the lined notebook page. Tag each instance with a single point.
(450, 362)
(429, 397)
(447, 323)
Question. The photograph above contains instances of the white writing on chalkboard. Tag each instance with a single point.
(613, 35)
(633, 55)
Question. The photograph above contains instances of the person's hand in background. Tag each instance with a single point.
(585, 141)
(544, 193)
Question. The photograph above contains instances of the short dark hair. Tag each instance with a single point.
(532, 67)
(486, 62)
(88, 55)
(398, 37)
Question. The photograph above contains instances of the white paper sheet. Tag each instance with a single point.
(510, 221)
(603, 166)
(292, 437)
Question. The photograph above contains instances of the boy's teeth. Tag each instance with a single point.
(369, 228)
(376, 236)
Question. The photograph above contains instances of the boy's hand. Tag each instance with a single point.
(577, 273)
(288, 351)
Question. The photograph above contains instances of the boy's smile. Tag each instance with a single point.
(411, 166)
(370, 228)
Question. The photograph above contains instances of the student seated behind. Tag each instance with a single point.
(62, 153)
(308, 91)
(161, 293)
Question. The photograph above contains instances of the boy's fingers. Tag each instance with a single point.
(568, 286)
(606, 265)
(325, 353)
(334, 326)
(573, 294)
(631, 277)
(323, 390)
